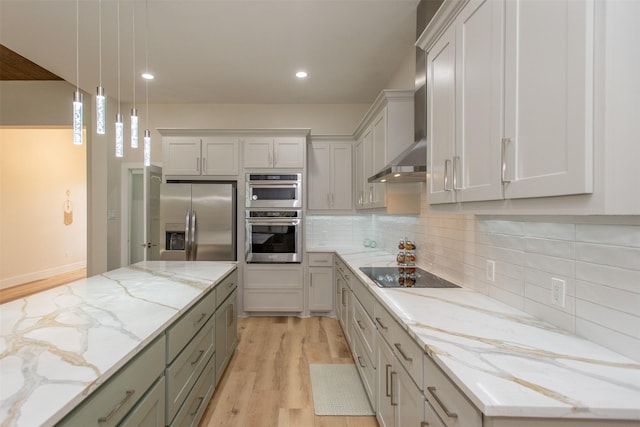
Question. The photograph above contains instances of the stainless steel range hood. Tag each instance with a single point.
(411, 164)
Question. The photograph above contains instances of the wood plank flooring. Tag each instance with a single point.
(267, 382)
(21, 291)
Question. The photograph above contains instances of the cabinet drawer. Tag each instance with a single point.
(108, 405)
(364, 296)
(184, 371)
(365, 328)
(344, 271)
(179, 334)
(447, 400)
(224, 289)
(404, 347)
(365, 366)
(280, 300)
(320, 259)
(196, 403)
(149, 412)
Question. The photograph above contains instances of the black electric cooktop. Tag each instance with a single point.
(405, 277)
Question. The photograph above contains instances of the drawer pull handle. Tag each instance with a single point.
(423, 424)
(362, 365)
(402, 353)
(432, 390)
(381, 324)
(116, 408)
(392, 393)
(231, 285)
(202, 316)
(198, 358)
(360, 325)
(386, 379)
(193, 414)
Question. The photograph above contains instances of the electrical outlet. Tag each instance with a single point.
(558, 292)
(491, 270)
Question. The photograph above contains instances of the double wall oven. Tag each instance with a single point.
(273, 218)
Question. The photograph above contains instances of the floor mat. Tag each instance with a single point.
(338, 390)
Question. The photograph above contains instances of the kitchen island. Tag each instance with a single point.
(510, 365)
(60, 345)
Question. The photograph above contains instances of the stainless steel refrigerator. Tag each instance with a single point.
(198, 221)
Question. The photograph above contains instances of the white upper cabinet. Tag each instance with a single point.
(268, 152)
(330, 169)
(530, 107)
(200, 155)
(548, 126)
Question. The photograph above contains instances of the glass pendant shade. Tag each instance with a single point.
(134, 128)
(147, 147)
(77, 117)
(101, 109)
(119, 136)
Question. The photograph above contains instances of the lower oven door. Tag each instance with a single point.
(273, 241)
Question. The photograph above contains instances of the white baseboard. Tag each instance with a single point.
(42, 274)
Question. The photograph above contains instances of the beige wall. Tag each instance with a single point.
(404, 76)
(37, 168)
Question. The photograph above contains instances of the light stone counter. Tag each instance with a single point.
(59, 345)
(507, 362)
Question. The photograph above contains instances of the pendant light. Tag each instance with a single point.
(101, 100)
(77, 95)
(134, 110)
(147, 133)
(119, 124)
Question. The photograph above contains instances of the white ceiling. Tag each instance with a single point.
(215, 51)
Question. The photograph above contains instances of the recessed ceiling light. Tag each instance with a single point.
(301, 74)
(147, 76)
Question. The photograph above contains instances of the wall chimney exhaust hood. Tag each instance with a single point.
(409, 166)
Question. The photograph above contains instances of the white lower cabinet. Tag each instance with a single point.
(273, 288)
(344, 297)
(320, 282)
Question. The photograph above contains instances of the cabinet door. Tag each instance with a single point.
(341, 176)
(441, 118)
(385, 411)
(410, 400)
(549, 97)
(379, 159)
(359, 175)
(320, 288)
(479, 105)
(220, 156)
(226, 333)
(149, 412)
(258, 153)
(319, 195)
(288, 153)
(181, 155)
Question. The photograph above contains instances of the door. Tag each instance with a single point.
(341, 176)
(549, 97)
(220, 156)
(288, 153)
(152, 183)
(384, 404)
(213, 219)
(181, 155)
(258, 153)
(319, 176)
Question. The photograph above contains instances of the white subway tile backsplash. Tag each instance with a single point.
(598, 257)
(617, 256)
(618, 235)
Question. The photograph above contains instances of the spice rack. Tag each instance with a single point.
(406, 260)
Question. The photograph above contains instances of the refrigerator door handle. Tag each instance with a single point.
(187, 235)
(194, 236)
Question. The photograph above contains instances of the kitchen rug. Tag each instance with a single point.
(338, 390)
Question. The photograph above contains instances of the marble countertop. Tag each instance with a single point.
(59, 345)
(507, 362)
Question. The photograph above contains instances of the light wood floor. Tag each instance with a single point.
(267, 382)
(21, 291)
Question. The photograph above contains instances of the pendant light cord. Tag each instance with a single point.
(100, 38)
(146, 56)
(118, 25)
(134, 55)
